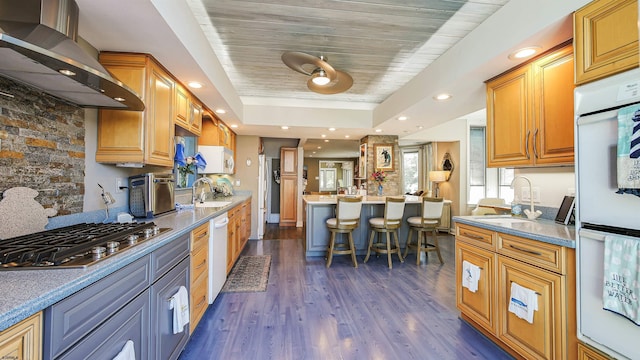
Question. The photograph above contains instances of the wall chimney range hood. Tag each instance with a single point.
(38, 48)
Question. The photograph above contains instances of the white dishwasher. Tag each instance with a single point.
(217, 255)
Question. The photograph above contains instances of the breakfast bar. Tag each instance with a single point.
(319, 208)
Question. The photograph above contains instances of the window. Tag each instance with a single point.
(486, 182)
(328, 179)
(410, 171)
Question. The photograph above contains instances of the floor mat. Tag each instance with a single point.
(249, 274)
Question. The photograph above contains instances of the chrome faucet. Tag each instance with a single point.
(531, 213)
(195, 186)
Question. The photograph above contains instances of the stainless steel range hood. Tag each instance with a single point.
(38, 47)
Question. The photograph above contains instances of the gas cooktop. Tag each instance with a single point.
(76, 246)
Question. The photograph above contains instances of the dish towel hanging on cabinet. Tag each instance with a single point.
(180, 305)
(628, 160)
(523, 302)
(128, 352)
(470, 276)
(621, 286)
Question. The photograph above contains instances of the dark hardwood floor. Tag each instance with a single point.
(311, 312)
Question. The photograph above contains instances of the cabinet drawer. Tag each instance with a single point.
(199, 263)
(544, 255)
(129, 323)
(199, 301)
(200, 237)
(72, 318)
(476, 236)
(163, 259)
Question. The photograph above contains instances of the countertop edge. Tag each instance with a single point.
(566, 241)
(74, 280)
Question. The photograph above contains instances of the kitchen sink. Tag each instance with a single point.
(501, 220)
(213, 203)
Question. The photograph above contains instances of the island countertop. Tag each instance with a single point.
(25, 292)
(541, 229)
(366, 199)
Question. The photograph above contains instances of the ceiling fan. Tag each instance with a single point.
(324, 79)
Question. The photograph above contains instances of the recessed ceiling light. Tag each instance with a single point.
(524, 52)
(235, 126)
(332, 129)
(221, 111)
(66, 72)
(319, 147)
(378, 130)
(402, 118)
(118, 99)
(347, 136)
(326, 140)
(442, 97)
(194, 85)
(284, 127)
(323, 135)
(420, 127)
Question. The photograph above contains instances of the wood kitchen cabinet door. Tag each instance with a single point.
(546, 337)
(288, 161)
(553, 108)
(606, 38)
(288, 186)
(160, 128)
(480, 306)
(23, 341)
(509, 115)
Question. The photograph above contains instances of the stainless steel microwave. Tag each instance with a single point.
(151, 194)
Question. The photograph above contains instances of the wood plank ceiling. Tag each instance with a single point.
(382, 44)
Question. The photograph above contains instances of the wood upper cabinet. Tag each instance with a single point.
(144, 137)
(530, 113)
(288, 161)
(606, 39)
(188, 111)
(23, 341)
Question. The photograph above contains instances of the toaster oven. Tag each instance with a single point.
(151, 194)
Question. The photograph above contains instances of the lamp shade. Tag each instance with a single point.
(438, 176)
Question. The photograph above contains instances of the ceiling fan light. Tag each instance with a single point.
(320, 77)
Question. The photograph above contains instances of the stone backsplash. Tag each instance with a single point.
(42, 146)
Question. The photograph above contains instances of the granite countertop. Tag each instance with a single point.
(366, 199)
(547, 231)
(25, 292)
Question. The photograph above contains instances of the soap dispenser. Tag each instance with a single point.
(516, 208)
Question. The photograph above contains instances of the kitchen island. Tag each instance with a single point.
(537, 255)
(319, 208)
(27, 292)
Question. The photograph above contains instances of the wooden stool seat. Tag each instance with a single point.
(429, 221)
(389, 224)
(347, 219)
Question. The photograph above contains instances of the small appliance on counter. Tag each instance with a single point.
(151, 194)
(219, 159)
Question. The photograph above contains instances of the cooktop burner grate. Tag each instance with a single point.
(73, 246)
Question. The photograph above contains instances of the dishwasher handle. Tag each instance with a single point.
(221, 224)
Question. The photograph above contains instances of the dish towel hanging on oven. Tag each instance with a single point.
(470, 276)
(622, 276)
(628, 160)
(180, 305)
(523, 302)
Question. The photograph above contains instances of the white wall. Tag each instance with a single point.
(554, 183)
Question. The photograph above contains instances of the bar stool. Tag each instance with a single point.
(347, 219)
(428, 221)
(390, 223)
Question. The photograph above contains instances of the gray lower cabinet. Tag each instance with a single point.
(166, 345)
(130, 304)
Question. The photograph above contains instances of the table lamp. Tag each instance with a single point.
(437, 177)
